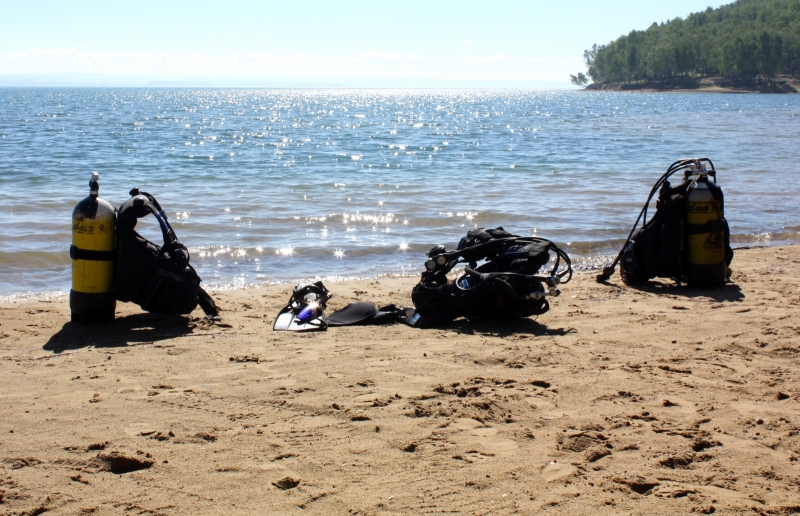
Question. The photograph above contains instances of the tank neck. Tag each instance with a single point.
(94, 184)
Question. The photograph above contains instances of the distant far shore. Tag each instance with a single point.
(777, 84)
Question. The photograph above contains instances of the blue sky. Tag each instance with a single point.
(532, 42)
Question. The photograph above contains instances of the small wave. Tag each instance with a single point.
(50, 296)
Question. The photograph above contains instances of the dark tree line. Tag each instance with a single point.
(747, 38)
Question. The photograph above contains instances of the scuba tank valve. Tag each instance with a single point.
(92, 252)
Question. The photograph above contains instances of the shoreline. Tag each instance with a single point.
(659, 399)
(582, 264)
(685, 90)
(777, 84)
(680, 90)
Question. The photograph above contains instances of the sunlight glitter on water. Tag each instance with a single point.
(582, 165)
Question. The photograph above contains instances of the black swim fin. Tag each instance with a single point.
(364, 312)
(286, 321)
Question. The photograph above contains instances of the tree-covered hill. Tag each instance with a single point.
(742, 40)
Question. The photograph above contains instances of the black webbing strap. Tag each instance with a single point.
(154, 294)
(76, 253)
(207, 304)
(712, 226)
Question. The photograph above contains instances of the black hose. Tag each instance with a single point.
(561, 254)
(454, 256)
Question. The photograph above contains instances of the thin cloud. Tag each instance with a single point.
(463, 58)
(75, 59)
(387, 56)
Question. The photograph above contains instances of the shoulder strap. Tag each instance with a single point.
(207, 304)
(155, 209)
(140, 205)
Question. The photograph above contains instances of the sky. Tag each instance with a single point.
(448, 42)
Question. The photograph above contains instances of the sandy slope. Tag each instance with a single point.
(617, 401)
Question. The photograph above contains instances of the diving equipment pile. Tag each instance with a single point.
(688, 238)
(305, 311)
(507, 285)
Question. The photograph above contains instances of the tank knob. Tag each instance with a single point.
(94, 185)
(134, 191)
(436, 251)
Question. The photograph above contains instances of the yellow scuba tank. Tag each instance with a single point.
(92, 252)
(705, 230)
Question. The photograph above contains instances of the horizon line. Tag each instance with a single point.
(84, 79)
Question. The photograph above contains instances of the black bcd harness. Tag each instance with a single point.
(157, 278)
(507, 285)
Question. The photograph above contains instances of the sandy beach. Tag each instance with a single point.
(618, 401)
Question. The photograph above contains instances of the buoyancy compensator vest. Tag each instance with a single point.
(157, 278)
(507, 285)
(687, 239)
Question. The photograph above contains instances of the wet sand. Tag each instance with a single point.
(618, 401)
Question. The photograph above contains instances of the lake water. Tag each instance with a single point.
(286, 184)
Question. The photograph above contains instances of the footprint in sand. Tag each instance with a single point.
(486, 431)
(540, 403)
(129, 390)
(488, 436)
(366, 398)
(136, 429)
(465, 423)
(554, 471)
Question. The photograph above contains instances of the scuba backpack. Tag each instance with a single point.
(157, 278)
(688, 238)
(507, 285)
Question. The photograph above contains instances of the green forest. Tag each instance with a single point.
(745, 39)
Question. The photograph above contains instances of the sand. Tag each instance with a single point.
(618, 401)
